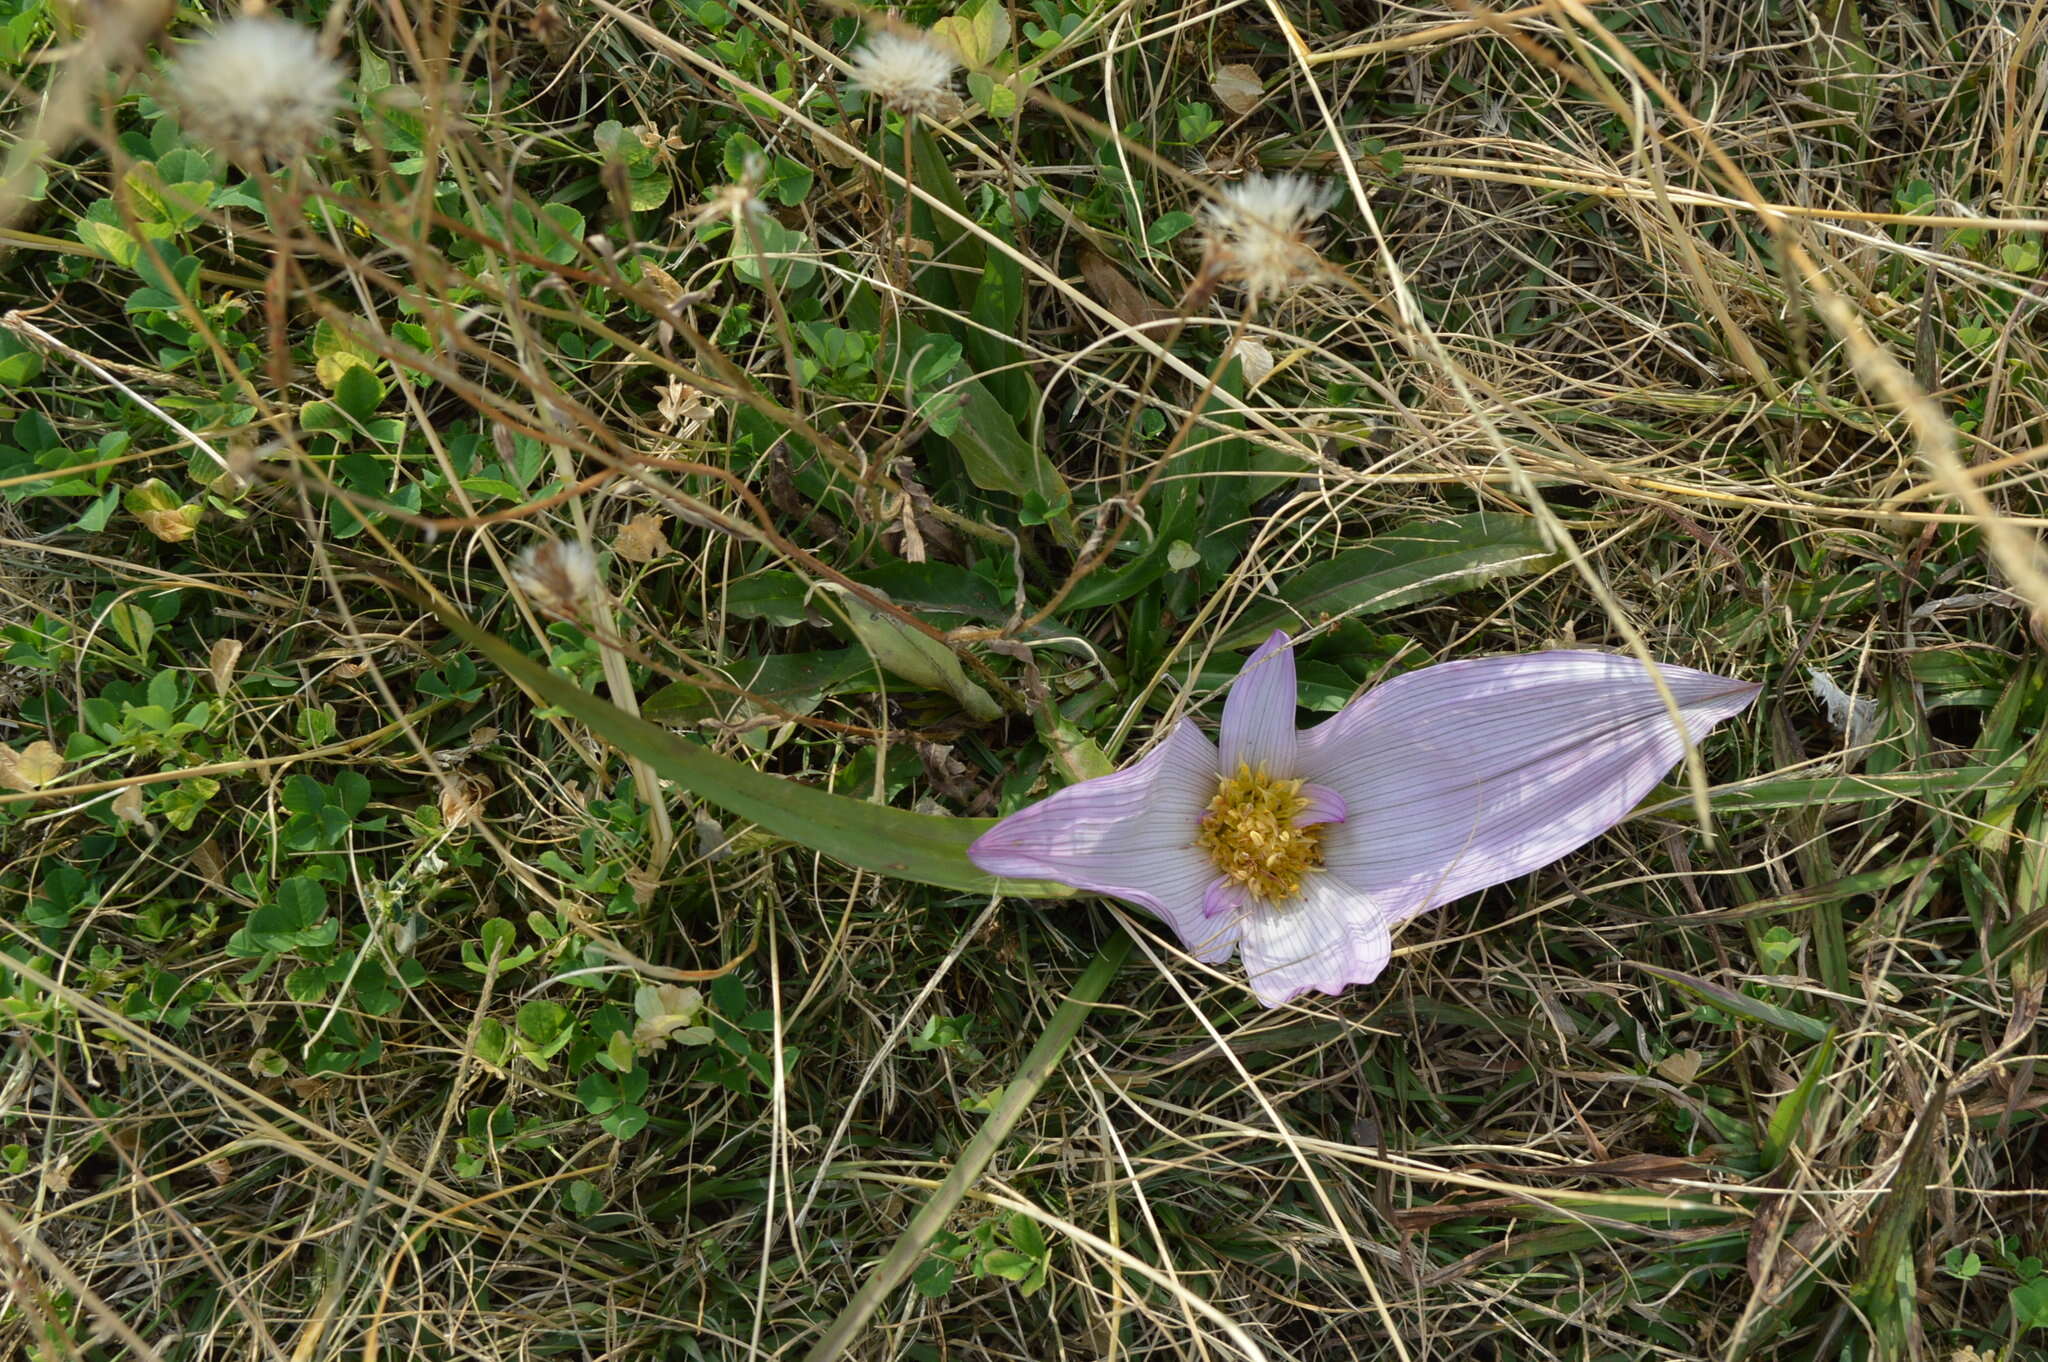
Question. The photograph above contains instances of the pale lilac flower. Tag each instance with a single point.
(1303, 850)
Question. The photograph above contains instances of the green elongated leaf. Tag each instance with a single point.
(914, 656)
(1884, 1288)
(1992, 781)
(941, 592)
(1200, 509)
(903, 1257)
(801, 676)
(937, 589)
(1848, 71)
(989, 435)
(773, 595)
(1742, 1005)
(1415, 563)
(1221, 465)
(1074, 753)
(1559, 1240)
(962, 255)
(1107, 586)
(995, 451)
(894, 842)
(793, 681)
(1783, 1127)
(997, 302)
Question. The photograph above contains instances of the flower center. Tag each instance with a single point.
(1249, 833)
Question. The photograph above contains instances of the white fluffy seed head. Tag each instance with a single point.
(1259, 232)
(256, 88)
(560, 577)
(910, 75)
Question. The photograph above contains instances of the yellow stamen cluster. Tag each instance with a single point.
(1249, 833)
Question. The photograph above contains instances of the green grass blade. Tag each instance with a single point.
(1555, 1241)
(1038, 1065)
(893, 842)
(1848, 73)
(1418, 562)
(1990, 780)
(1741, 1004)
(1816, 863)
(1783, 1127)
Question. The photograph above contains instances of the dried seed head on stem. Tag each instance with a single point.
(1259, 233)
(560, 577)
(257, 88)
(910, 75)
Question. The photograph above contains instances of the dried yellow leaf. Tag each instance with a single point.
(34, 767)
(462, 799)
(1256, 359)
(1680, 1068)
(1239, 87)
(127, 807)
(220, 663)
(640, 540)
(664, 284)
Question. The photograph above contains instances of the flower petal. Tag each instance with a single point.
(1224, 895)
(1258, 718)
(1465, 774)
(1325, 805)
(1329, 938)
(1129, 835)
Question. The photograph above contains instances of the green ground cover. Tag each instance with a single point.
(378, 985)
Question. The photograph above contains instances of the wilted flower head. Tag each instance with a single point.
(665, 1013)
(1259, 231)
(1303, 850)
(256, 87)
(559, 576)
(910, 75)
(1855, 715)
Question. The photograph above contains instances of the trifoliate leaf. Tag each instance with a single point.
(978, 33)
(335, 353)
(999, 99)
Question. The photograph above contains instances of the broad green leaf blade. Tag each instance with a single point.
(994, 450)
(961, 254)
(1415, 563)
(998, 304)
(990, 436)
(893, 842)
(1108, 586)
(916, 657)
